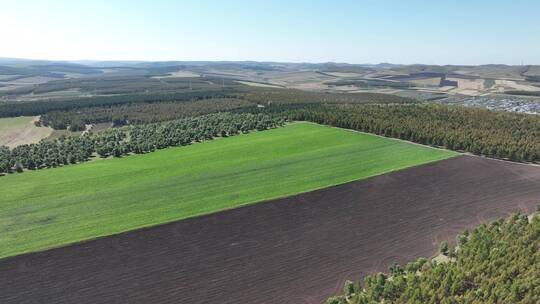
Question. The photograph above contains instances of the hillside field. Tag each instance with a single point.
(16, 131)
(53, 207)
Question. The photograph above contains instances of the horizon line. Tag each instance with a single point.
(258, 61)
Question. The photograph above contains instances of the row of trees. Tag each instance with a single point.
(150, 81)
(495, 134)
(139, 113)
(30, 108)
(496, 263)
(500, 135)
(278, 96)
(135, 139)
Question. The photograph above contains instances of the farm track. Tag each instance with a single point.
(294, 250)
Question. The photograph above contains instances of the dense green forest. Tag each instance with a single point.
(266, 96)
(134, 139)
(188, 91)
(495, 263)
(483, 132)
(137, 109)
(139, 113)
(128, 84)
(362, 83)
(500, 135)
(29, 108)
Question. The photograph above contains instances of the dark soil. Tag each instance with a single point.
(294, 250)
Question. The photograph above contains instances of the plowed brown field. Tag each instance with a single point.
(294, 250)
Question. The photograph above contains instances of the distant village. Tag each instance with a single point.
(508, 104)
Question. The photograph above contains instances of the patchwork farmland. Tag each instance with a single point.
(298, 249)
(252, 182)
(300, 152)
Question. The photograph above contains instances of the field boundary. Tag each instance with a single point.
(227, 210)
(300, 247)
(386, 137)
(309, 185)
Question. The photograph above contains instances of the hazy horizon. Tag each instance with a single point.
(367, 32)
(90, 61)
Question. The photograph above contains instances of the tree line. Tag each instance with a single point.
(138, 113)
(30, 108)
(133, 139)
(494, 134)
(257, 96)
(278, 96)
(523, 93)
(500, 135)
(495, 263)
(148, 81)
(146, 108)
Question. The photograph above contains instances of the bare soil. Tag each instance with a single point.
(22, 130)
(294, 250)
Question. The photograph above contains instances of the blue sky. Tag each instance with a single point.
(370, 31)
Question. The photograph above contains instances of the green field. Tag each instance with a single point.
(10, 123)
(51, 207)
